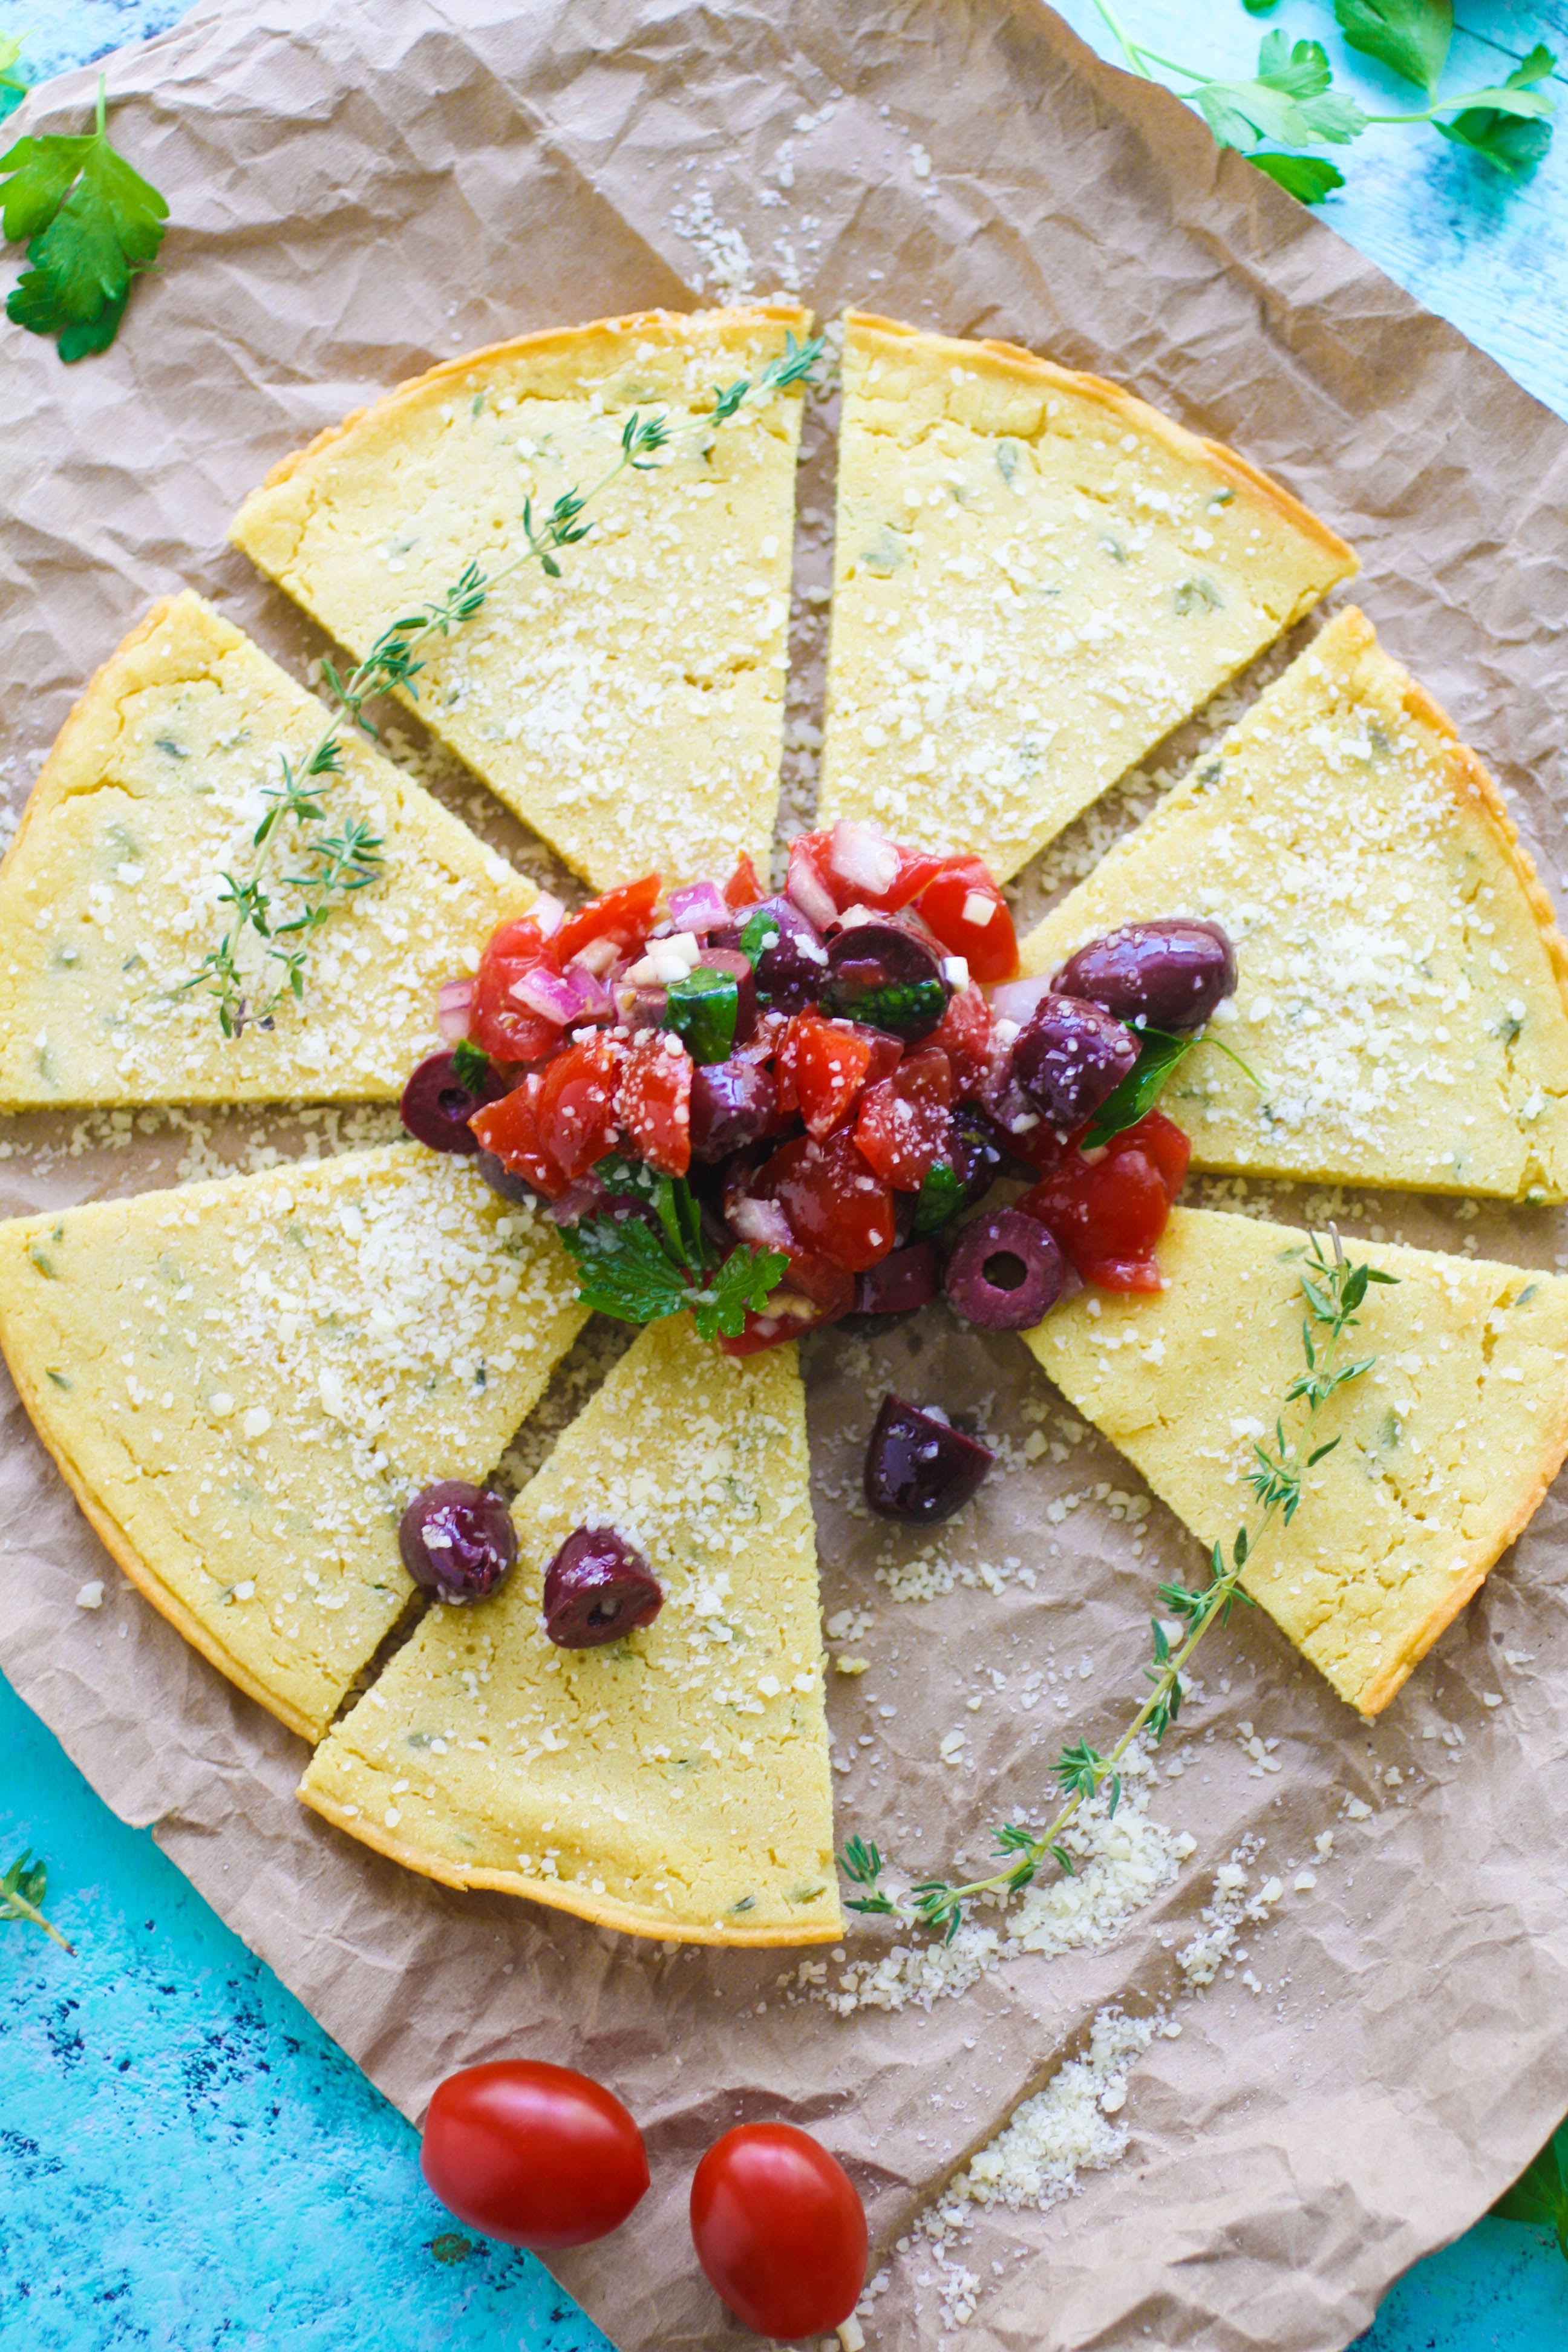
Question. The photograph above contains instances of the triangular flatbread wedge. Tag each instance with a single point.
(244, 1382)
(1037, 576)
(674, 1783)
(108, 897)
(1445, 1446)
(631, 710)
(1403, 987)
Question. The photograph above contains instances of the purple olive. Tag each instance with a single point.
(438, 1103)
(904, 1278)
(738, 968)
(597, 1588)
(503, 1180)
(886, 974)
(458, 1541)
(734, 1103)
(1170, 973)
(1070, 1057)
(918, 1468)
(789, 974)
(1005, 1272)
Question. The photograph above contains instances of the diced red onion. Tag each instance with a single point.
(548, 912)
(593, 996)
(453, 1002)
(1016, 999)
(862, 855)
(600, 956)
(761, 1222)
(547, 992)
(698, 907)
(807, 892)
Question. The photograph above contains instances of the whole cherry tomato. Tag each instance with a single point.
(536, 2155)
(780, 2231)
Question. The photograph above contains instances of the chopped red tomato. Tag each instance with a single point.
(624, 916)
(505, 1029)
(788, 1315)
(829, 1062)
(655, 1102)
(972, 918)
(510, 1128)
(1106, 1209)
(577, 1104)
(902, 1130)
(834, 1202)
(743, 888)
(964, 1035)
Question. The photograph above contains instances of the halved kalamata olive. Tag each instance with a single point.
(918, 1468)
(501, 1179)
(886, 975)
(790, 971)
(458, 1541)
(1004, 1274)
(1170, 973)
(739, 967)
(1070, 1057)
(905, 1279)
(438, 1103)
(733, 1104)
(597, 1588)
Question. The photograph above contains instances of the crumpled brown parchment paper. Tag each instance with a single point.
(361, 188)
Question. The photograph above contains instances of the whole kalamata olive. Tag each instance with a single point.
(738, 968)
(1070, 1057)
(438, 1103)
(918, 1468)
(889, 976)
(904, 1278)
(1005, 1272)
(597, 1588)
(501, 1179)
(1170, 973)
(789, 972)
(458, 1541)
(733, 1104)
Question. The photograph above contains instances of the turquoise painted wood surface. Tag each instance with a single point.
(186, 2161)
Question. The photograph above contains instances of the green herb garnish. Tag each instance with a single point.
(760, 932)
(1160, 1054)
(938, 1202)
(1333, 1292)
(470, 1065)
(13, 89)
(905, 1008)
(1539, 2195)
(626, 1269)
(91, 227)
(702, 1009)
(22, 1891)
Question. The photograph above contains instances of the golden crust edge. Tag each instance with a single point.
(544, 342)
(623, 1917)
(1014, 361)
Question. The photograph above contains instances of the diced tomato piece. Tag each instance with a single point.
(902, 1130)
(834, 1202)
(1108, 1209)
(829, 1062)
(788, 1315)
(743, 888)
(510, 1128)
(577, 1123)
(972, 918)
(916, 868)
(655, 1102)
(624, 915)
(886, 1053)
(505, 1029)
(963, 1034)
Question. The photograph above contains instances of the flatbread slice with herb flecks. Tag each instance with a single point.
(244, 1382)
(1403, 988)
(1445, 1446)
(1037, 576)
(673, 1783)
(630, 708)
(109, 898)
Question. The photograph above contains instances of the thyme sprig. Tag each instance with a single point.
(260, 961)
(1333, 1292)
(22, 1891)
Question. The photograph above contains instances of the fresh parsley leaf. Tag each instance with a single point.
(22, 1891)
(1289, 100)
(91, 224)
(1260, 7)
(1307, 178)
(1539, 2195)
(1410, 37)
(1513, 141)
(748, 1277)
(673, 1202)
(623, 1270)
(470, 1065)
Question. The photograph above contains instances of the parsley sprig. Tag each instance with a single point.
(1290, 102)
(1333, 1292)
(22, 1891)
(1539, 2195)
(91, 224)
(259, 961)
(639, 1272)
